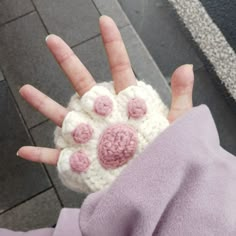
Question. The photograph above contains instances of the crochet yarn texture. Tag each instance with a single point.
(104, 131)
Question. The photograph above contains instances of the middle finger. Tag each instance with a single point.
(120, 66)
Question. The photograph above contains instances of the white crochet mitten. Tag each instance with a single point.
(105, 131)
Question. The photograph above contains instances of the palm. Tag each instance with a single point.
(82, 81)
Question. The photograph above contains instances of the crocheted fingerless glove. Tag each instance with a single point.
(105, 131)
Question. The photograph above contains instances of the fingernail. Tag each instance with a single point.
(102, 16)
(17, 154)
(47, 37)
(190, 65)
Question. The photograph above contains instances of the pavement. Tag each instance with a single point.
(32, 194)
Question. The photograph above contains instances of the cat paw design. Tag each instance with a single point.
(105, 131)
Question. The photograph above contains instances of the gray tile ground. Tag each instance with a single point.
(13, 9)
(43, 136)
(92, 54)
(205, 91)
(67, 197)
(39, 212)
(24, 59)
(19, 179)
(112, 8)
(1, 76)
(143, 64)
(73, 20)
(157, 26)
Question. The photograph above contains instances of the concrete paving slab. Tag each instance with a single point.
(19, 179)
(25, 59)
(113, 9)
(68, 197)
(143, 64)
(205, 91)
(158, 27)
(10, 10)
(74, 20)
(1, 76)
(93, 55)
(43, 136)
(39, 212)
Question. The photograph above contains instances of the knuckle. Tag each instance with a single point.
(39, 154)
(120, 67)
(83, 84)
(41, 103)
(107, 42)
(66, 57)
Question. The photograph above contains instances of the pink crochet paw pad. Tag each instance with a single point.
(103, 105)
(79, 162)
(82, 133)
(117, 145)
(137, 108)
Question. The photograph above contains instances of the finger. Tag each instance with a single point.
(182, 88)
(39, 154)
(44, 104)
(122, 73)
(76, 72)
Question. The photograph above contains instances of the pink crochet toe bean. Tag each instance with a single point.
(103, 105)
(117, 145)
(79, 162)
(82, 133)
(137, 108)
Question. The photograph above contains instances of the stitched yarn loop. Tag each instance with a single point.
(137, 108)
(82, 133)
(117, 145)
(103, 105)
(79, 162)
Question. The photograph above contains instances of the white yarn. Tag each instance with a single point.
(96, 177)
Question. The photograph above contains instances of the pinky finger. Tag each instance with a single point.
(39, 154)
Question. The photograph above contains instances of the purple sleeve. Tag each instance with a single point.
(38, 232)
(184, 183)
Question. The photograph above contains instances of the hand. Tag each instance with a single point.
(122, 75)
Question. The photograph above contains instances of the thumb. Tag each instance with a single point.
(182, 88)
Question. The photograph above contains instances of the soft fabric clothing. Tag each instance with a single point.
(183, 183)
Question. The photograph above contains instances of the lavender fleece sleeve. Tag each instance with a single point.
(184, 183)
